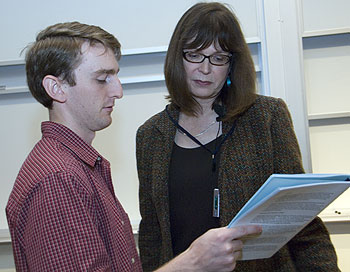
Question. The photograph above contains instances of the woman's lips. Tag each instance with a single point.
(202, 82)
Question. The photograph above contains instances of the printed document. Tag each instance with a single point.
(283, 206)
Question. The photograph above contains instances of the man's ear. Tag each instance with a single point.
(54, 88)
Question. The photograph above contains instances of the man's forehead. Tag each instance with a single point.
(94, 49)
(98, 57)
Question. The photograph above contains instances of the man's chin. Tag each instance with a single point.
(104, 124)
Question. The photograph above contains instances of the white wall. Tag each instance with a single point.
(326, 57)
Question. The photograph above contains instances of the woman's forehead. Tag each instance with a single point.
(193, 44)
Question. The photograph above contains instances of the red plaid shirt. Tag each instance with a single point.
(63, 214)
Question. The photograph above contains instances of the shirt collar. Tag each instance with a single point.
(72, 141)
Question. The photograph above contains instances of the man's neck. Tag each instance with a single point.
(87, 135)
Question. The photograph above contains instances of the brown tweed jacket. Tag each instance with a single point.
(263, 143)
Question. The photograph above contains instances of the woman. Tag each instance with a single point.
(203, 157)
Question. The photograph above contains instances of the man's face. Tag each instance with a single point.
(90, 102)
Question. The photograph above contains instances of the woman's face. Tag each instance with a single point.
(205, 80)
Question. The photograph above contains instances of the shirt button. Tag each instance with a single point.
(132, 260)
(122, 222)
(99, 159)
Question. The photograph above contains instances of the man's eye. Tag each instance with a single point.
(103, 80)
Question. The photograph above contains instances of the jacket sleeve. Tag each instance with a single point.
(149, 231)
(286, 151)
(311, 249)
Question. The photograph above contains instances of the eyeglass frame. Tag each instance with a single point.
(207, 57)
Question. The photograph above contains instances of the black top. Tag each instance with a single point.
(191, 184)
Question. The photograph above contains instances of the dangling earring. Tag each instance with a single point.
(228, 81)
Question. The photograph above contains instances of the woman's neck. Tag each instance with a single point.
(204, 127)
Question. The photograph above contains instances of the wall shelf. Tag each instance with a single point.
(129, 52)
(11, 90)
(332, 115)
(146, 50)
(12, 62)
(141, 79)
(123, 80)
(336, 215)
(5, 236)
(326, 32)
(138, 66)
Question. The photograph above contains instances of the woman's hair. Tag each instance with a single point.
(200, 26)
(57, 52)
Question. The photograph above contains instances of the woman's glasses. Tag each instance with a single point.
(215, 59)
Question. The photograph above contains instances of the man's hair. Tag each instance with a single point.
(200, 26)
(57, 52)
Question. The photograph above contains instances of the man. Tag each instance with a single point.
(62, 213)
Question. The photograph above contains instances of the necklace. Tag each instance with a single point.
(200, 133)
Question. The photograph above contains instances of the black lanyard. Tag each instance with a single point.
(213, 153)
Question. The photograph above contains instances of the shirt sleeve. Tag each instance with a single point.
(60, 233)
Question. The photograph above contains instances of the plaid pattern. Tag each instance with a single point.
(63, 214)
